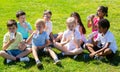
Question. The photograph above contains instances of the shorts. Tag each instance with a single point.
(14, 52)
(96, 48)
(54, 35)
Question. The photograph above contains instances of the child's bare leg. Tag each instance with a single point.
(90, 47)
(60, 47)
(7, 56)
(74, 52)
(52, 54)
(105, 52)
(34, 52)
(26, 52)
(59, 37)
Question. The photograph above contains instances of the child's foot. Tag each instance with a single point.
(75, 56)
(8, 61)
(25, 59)
(86, 56)
(98, 57)
(38, 63)
(60, 55)
(57, 62)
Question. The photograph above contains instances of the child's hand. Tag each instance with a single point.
(90, 17)
(11, 41)
(25, 25)
(22, 46)
(92, 54)
(35, 32)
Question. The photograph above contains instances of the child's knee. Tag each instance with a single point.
(29, 50)
(2, 52)
(87, 45)
(108, 51)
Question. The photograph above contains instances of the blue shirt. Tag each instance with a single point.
(24, 31)
(40, 39)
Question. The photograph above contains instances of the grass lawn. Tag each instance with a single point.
(61, 10)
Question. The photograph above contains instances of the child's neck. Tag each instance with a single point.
(105, 32)
(40, 32)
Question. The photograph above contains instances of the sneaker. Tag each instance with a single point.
(8, 61)
(75, 56)
(98, 57)
(60, 55)
(25, 59)
(39, 64)
(86, 56)
(57, 62)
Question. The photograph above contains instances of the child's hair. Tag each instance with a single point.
(20, 13)
(40, 21)
(11, 22)
(47, 11)
(70, 20)
(104, 23)
(79, 21)
(104, 10)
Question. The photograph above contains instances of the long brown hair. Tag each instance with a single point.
(79, 21)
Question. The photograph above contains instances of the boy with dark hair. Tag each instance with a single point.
(23, 27)
(107, 44)
(11, 40)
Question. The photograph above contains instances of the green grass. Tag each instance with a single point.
(61, 10)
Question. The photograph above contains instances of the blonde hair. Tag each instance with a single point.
(41, 22)
(71, 20)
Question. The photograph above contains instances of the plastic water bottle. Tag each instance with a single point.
(12, 35)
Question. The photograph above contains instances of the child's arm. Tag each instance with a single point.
(77, 43)
(52, 37)
(90, 20)
(28, 41)
(30, 31)
(64, 41)
(105, 47)
(6, 44)
(102, 49)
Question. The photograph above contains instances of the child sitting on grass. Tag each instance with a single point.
(24, 27)
(48, 27)
(93, 19)
(40, 41)
(70, 43)
(11, 40)
(107, 44)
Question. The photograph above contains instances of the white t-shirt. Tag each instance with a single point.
(108, 37)
(49, 27)
(70, 35)
(82, 35)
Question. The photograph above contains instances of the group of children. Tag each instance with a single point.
(17, 43)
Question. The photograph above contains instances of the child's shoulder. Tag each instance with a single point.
(6, 34)
(109, 34)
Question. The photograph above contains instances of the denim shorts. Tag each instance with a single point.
(14, 52)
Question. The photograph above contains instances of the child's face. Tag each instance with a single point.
(47, 17)
(12, 29)
(100, 13)
(22, 18)
(71, 26)
(39, 27)
(102, 30)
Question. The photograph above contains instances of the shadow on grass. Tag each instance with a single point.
(114, 61)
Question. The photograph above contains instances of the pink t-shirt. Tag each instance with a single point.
(95, 26)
